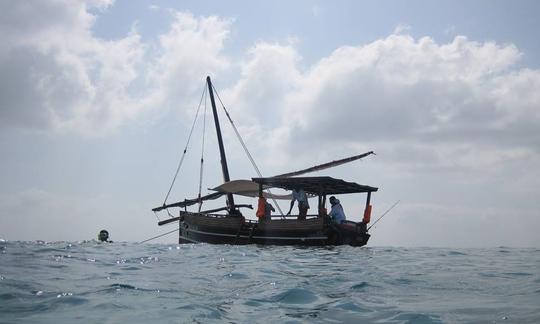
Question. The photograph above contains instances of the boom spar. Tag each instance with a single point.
(325, 165)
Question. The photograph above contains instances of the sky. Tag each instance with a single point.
(97, 99)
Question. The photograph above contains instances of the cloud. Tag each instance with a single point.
(268, 75)
(400, 87)
(189, 51)
(462, 97)
(56, 75)
(402, 29)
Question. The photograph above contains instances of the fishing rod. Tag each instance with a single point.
(155, 237)
(386, 212)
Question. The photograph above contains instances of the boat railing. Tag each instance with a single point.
(205, 214)
(293, 217)
(273, 217)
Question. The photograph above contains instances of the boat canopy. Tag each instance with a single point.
(315, 185)
(247, 188)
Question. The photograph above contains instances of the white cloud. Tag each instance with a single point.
(189, 51)
(408, 91)
(402, 29)
(55, 74)
(267, 76)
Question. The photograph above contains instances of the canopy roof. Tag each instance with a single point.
(247, 188)
(316, 185)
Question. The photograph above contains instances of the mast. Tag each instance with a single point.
(224, 168)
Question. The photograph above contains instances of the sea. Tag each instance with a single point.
(92, 282)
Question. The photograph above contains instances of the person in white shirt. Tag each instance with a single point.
(336, 213)
(299, 195)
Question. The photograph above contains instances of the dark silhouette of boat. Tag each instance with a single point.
(227, 225)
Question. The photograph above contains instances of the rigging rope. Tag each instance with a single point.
(156, 214)
(185, 149)
(245, 148)
(155, 237)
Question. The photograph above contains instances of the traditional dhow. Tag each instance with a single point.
(228, 225)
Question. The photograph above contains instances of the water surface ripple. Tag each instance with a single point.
(63, 282)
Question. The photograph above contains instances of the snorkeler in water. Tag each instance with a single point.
(103, 236)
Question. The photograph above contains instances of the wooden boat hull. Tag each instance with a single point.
(236, 230)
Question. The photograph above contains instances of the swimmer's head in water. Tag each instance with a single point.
(103, 235)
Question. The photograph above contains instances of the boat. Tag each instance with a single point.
(229, 225)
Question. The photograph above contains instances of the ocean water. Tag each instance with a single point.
(90, 282)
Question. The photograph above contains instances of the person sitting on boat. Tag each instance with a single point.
(336, 213)
(298, 194)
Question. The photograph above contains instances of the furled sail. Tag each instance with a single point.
(325, 165)
(189, 202)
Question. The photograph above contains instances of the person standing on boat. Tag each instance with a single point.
(268, 209)
(298, 194)
(336, 213)
(264, 209)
